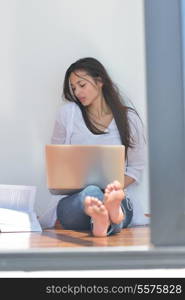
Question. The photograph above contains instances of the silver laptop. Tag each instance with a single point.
(70, 168)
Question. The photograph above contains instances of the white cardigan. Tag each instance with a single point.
(70, 128)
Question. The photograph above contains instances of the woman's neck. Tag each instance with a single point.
(99, 108)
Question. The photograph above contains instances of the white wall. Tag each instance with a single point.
(39, 40)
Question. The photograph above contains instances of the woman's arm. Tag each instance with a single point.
(128, 180)
(136, 156)
(59, 130)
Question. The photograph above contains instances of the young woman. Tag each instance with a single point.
(95, 113)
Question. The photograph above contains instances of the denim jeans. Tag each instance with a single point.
(70, 211)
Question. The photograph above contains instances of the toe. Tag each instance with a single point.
(111, 187)
(106, 191)
(117, 184)
(87, 200)
(108, 187)
(94, 200)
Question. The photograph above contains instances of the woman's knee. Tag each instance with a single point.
(93, 191)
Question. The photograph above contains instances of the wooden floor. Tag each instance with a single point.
(137, 236)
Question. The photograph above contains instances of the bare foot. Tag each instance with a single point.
(112, 200)
(99, 214)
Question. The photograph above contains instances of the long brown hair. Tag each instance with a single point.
(111, 95)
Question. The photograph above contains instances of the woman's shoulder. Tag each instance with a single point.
(67, 106)
(64, 112)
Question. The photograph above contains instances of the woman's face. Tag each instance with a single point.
(85, 88)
